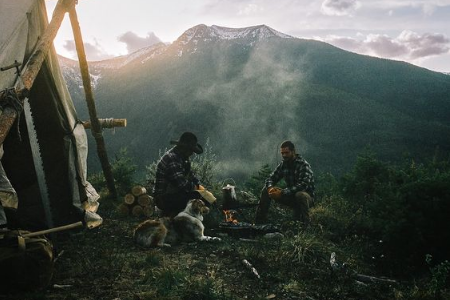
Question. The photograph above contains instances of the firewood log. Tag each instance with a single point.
(148, 211)
(138, 190)
(137, 211)
(129, 199)
(145, 200)
(123, 209)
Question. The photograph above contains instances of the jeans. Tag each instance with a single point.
(299, 203)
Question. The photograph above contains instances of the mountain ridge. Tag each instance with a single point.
(331, 102)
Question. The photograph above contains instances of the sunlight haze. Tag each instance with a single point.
(415, 31)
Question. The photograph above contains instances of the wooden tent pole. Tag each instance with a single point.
(96, 128)
(7, 118)
(36, 60)
(33, 66)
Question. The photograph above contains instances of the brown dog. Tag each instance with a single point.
(187, 226)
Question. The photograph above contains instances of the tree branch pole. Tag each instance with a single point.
(96, 128)
(33, 66)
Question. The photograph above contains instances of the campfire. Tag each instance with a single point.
(231, 225)
(230, 216)
(235, 228)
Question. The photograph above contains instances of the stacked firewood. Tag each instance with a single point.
(137, 203)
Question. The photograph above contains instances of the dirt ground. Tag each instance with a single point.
(105, 263)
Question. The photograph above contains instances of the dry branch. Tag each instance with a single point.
(372, 279)
(249, 266)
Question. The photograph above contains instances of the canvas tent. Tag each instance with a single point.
(61, 137)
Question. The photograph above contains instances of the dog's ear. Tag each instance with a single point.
(203, 209)
(197, 205)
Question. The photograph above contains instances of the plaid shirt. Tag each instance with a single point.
(297, 174)
(173, 174)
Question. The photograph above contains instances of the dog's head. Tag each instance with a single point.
(197, 206)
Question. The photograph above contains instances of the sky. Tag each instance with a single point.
(415, 31)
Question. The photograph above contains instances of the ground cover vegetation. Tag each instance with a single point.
(380, 231)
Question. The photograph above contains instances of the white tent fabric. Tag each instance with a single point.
(62, 138)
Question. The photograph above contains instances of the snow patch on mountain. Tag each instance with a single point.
(145, 54)
(261, 32)
(214, 32)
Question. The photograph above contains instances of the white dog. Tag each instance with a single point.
(186, 226)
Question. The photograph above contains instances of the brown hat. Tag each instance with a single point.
(189, 140)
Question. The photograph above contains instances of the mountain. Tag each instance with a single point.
(249, 89)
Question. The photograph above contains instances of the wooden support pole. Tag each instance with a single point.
(53, 230)
(33, 66)
(107, 123)
(7, 118)
(95, 124)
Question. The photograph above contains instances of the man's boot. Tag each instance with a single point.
(263, 208)
(301, 211)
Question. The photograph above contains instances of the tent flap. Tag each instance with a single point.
(62, 140)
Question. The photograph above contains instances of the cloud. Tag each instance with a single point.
(250, 9)
(339, 7)
(94, 52)
(425, 45)
(384, 46)
(408, 45)
(135, 42)
(429, 9)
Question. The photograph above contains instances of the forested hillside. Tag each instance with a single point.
(246, 90)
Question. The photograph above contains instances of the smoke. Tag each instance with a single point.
(261, 99)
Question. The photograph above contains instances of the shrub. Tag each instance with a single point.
(257, 181)
(123, 170)
(204, 165)
(406, 207)
(439, 276)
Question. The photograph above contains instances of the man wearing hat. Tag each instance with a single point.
(175, 184)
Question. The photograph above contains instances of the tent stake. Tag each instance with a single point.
(96, 128)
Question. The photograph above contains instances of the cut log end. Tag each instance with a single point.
(123, 209)
(145, 200)
(137, 211)
(129, 199)
(148, 211)
(138, 190)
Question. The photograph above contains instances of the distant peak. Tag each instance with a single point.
(259, 32)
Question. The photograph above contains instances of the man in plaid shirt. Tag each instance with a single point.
(175, 183)
(299, 193)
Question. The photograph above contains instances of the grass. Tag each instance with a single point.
(104, 263)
